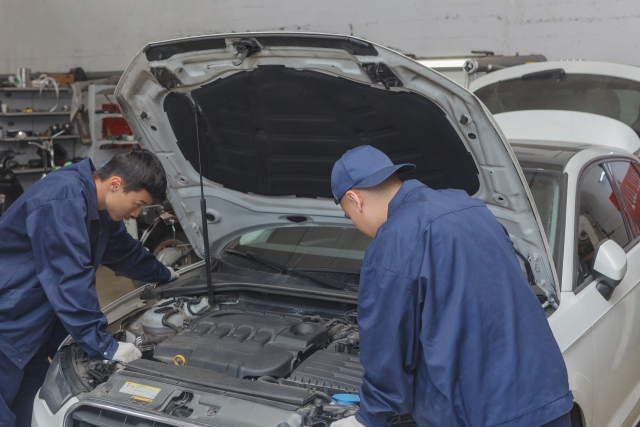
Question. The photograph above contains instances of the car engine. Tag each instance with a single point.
(218, 364)
(305, 351)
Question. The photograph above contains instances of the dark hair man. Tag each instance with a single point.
(450, 331)
(52, 240)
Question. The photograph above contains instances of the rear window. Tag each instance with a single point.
(612, 97)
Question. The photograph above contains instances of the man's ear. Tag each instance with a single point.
(115, 182)
(355, 199)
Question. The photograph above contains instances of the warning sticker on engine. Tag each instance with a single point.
(140, 390)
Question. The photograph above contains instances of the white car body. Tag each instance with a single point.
(598, 337)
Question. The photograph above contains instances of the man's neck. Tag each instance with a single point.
(101, 193)
(389, 198)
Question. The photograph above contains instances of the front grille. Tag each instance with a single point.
(89, 416)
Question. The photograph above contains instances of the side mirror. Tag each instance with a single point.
(609, 267)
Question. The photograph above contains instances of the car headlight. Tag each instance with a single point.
(55, 389)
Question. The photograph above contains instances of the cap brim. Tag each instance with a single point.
(382, 174)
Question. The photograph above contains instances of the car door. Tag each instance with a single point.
(604, 193)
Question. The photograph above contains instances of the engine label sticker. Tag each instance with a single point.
(140, 390)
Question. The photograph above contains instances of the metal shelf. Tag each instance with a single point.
(108, 114)
(19, 171)
(108, 145)
(33, 89)
(36, 113)
(40, 138)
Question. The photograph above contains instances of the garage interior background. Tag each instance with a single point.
(104, 36)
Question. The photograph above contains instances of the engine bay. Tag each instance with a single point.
(246, 343)
(292, 360)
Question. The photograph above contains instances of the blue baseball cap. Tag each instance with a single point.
(362, 167)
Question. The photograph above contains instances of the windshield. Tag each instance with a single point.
(337, 252)
(334, 252)
(606, 96)
(546, 188)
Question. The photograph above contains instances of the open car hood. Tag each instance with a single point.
(274, 111)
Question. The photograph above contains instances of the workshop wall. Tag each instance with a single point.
(101, 36)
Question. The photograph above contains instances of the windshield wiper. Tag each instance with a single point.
(281, 268)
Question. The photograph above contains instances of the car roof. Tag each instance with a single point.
(556, 155)
(544, 155)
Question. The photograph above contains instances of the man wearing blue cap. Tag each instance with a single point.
(450, 331)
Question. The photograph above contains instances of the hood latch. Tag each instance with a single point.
(244, 48)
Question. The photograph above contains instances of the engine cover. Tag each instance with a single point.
(242, 343)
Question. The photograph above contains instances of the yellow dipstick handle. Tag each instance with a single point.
(179, 360)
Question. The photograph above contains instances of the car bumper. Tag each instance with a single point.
(43, 417)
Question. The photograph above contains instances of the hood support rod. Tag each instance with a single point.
(203, 206)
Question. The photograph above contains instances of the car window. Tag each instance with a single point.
(607, 96)
(546, 188)
(628, 180)
(600, 218)
(307, 247)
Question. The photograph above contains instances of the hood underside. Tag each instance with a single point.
(267, 115)
(278, 131)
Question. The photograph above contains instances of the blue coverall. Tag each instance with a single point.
(52, 240)
(450, 331)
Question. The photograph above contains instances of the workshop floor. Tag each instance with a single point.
(111, 287)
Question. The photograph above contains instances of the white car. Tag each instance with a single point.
(601, 88)
(587, 197)
(271, 336)
(558, 113)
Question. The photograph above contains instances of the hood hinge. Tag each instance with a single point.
(166, 78)
(244, 48)
(380, 73)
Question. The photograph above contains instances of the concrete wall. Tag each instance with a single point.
(104, 35)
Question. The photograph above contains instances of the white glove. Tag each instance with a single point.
(126, 353)
(174, 274)
(347, 422)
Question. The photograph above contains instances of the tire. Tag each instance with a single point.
(180, 243)
(576, 416)
(162, 238)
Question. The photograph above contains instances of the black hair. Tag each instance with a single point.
(140, 170)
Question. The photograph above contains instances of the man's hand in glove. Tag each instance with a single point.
(174, 274)
(126, 353)
(347, 422)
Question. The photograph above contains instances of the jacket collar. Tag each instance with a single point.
(85, 169)
(401, 195)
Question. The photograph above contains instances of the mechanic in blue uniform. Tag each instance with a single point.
(450, 331)
(52, 240)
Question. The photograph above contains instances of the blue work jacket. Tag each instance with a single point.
(450, 330)
(52, 240)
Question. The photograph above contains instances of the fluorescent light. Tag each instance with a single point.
(443, 63)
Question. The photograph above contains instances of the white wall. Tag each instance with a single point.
(55, 35)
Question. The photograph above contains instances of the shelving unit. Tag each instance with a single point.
(30, 89)
(20, 171)
(40, 138)
(36, 113)
(102, 149)
(38, 121)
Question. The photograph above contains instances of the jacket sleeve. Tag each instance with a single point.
(62, 257)
(127, 257)
(388, 321)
